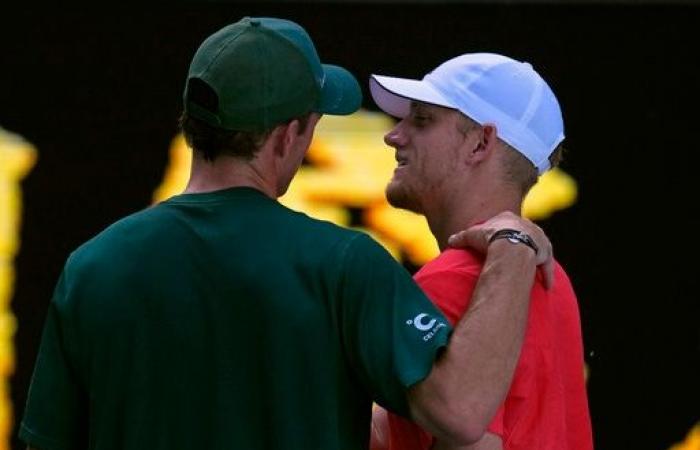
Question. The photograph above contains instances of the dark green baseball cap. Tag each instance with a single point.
(259, 72)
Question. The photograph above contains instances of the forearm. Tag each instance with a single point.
(458, 399)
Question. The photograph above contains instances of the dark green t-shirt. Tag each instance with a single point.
(226, 321)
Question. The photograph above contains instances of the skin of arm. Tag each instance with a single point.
(469, 381)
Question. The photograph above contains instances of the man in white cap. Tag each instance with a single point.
(474, 136)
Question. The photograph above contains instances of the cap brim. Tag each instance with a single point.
(341, 93)
(394, 95)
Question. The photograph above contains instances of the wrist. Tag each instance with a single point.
(514, 237)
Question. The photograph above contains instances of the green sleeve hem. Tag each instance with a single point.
(416, 376)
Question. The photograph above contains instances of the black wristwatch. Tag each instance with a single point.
(515, 237)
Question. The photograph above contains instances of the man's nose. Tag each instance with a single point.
(395, 138)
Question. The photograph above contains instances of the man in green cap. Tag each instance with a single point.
(220, 319)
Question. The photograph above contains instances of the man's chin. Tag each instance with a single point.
(400, 198)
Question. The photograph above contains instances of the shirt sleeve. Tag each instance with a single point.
(55, 412)
(391, 331)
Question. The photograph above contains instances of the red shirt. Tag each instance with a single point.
(546, 407)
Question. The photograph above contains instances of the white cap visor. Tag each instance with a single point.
(394, 95)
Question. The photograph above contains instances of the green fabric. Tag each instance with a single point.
(226, 321)
(262, 72)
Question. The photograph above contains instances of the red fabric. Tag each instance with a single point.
(546, 407)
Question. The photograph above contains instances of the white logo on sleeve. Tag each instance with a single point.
(418, 322)
(423, 322)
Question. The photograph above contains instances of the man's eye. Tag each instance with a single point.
(421, 120)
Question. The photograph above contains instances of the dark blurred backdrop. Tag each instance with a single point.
(98, 92)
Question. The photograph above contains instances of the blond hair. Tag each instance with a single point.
(517, 169)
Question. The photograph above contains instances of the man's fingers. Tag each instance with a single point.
(547, 269)
(545, 263)
(455, 240)
(473, 237)
(477, 237)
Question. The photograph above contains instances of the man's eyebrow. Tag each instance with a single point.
(417, 106)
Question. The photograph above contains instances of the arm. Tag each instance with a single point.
(469, 381)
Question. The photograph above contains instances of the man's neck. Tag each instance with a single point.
(228, 172)
(460, 212)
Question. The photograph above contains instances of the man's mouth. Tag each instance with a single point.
(401, 160)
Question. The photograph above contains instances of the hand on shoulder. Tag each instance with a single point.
(479, 237)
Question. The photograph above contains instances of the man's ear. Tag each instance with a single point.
(483, 147)
(283, 137)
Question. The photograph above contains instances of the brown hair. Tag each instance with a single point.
(211, 142)
(520, 171)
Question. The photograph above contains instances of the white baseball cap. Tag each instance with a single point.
(488, 88)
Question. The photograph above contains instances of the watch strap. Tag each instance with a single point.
(514, 237)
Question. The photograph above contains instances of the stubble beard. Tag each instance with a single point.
(400, 196)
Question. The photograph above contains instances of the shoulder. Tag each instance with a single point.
(323, 236)
(130, 232)
(458, 261)
(557, 306)
(320, 228)
(126, 226)
(561, 286)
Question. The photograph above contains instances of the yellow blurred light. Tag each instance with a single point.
(17, 157)
(691, 442)
(177, 172)
(555, 190)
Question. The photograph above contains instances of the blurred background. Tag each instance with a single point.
(89, 101)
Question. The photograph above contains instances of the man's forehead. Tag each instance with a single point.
(436, 110)
(425, 107)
